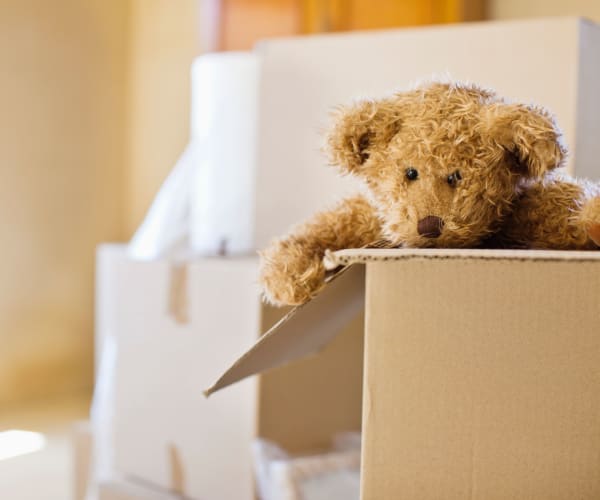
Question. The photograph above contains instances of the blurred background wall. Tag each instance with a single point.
(94, 106)
(164, 38)
(62, 121)
(512, 9)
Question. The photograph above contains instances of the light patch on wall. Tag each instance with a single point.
(16, 442)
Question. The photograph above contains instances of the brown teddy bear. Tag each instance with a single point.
(445, 165)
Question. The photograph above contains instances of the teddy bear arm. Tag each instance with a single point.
(556, 213)
(292, 268)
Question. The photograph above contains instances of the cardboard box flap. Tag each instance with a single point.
(363, 255)
(304, 330)
(308, 328)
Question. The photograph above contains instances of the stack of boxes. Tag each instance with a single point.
(165, 433)
(177, 324)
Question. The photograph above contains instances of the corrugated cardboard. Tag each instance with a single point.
(554, 62)
(481, 372)
(166, 433)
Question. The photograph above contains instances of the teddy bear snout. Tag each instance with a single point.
(430, 227)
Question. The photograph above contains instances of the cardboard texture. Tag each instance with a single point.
(488, 372)
(480, 372)
(553, 62)
(166, 433)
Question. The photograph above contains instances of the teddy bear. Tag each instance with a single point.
(444, 165)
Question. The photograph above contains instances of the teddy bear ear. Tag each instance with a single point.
(359, 130)
(530, 134)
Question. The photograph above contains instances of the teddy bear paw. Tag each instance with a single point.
(591, 219)
(594, 233)
(291, 283)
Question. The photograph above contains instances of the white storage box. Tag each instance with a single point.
(123, 490)
(176, 325)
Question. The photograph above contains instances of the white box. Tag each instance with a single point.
(176, 325)
(81, 441)
(116, 489)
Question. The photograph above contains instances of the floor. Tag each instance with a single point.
(46, 474)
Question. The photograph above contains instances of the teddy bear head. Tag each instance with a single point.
(443, 163)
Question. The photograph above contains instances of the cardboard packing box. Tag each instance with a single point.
(175, 325)
(553, 62)
(481, 375)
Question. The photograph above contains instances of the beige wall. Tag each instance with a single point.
(164, 41)
(510, 9)
(94, 107)
(62, 81)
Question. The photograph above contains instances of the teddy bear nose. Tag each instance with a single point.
(430, 227)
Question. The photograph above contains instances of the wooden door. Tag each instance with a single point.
(243, 22)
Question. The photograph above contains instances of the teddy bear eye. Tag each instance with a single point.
(412, 174)
(453, 178)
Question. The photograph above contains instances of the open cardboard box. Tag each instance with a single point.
(481, 369)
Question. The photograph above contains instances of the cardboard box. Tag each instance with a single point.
(481, 372)
(554, 62)
(175, 325)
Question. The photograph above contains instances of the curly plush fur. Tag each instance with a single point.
(446, 165)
